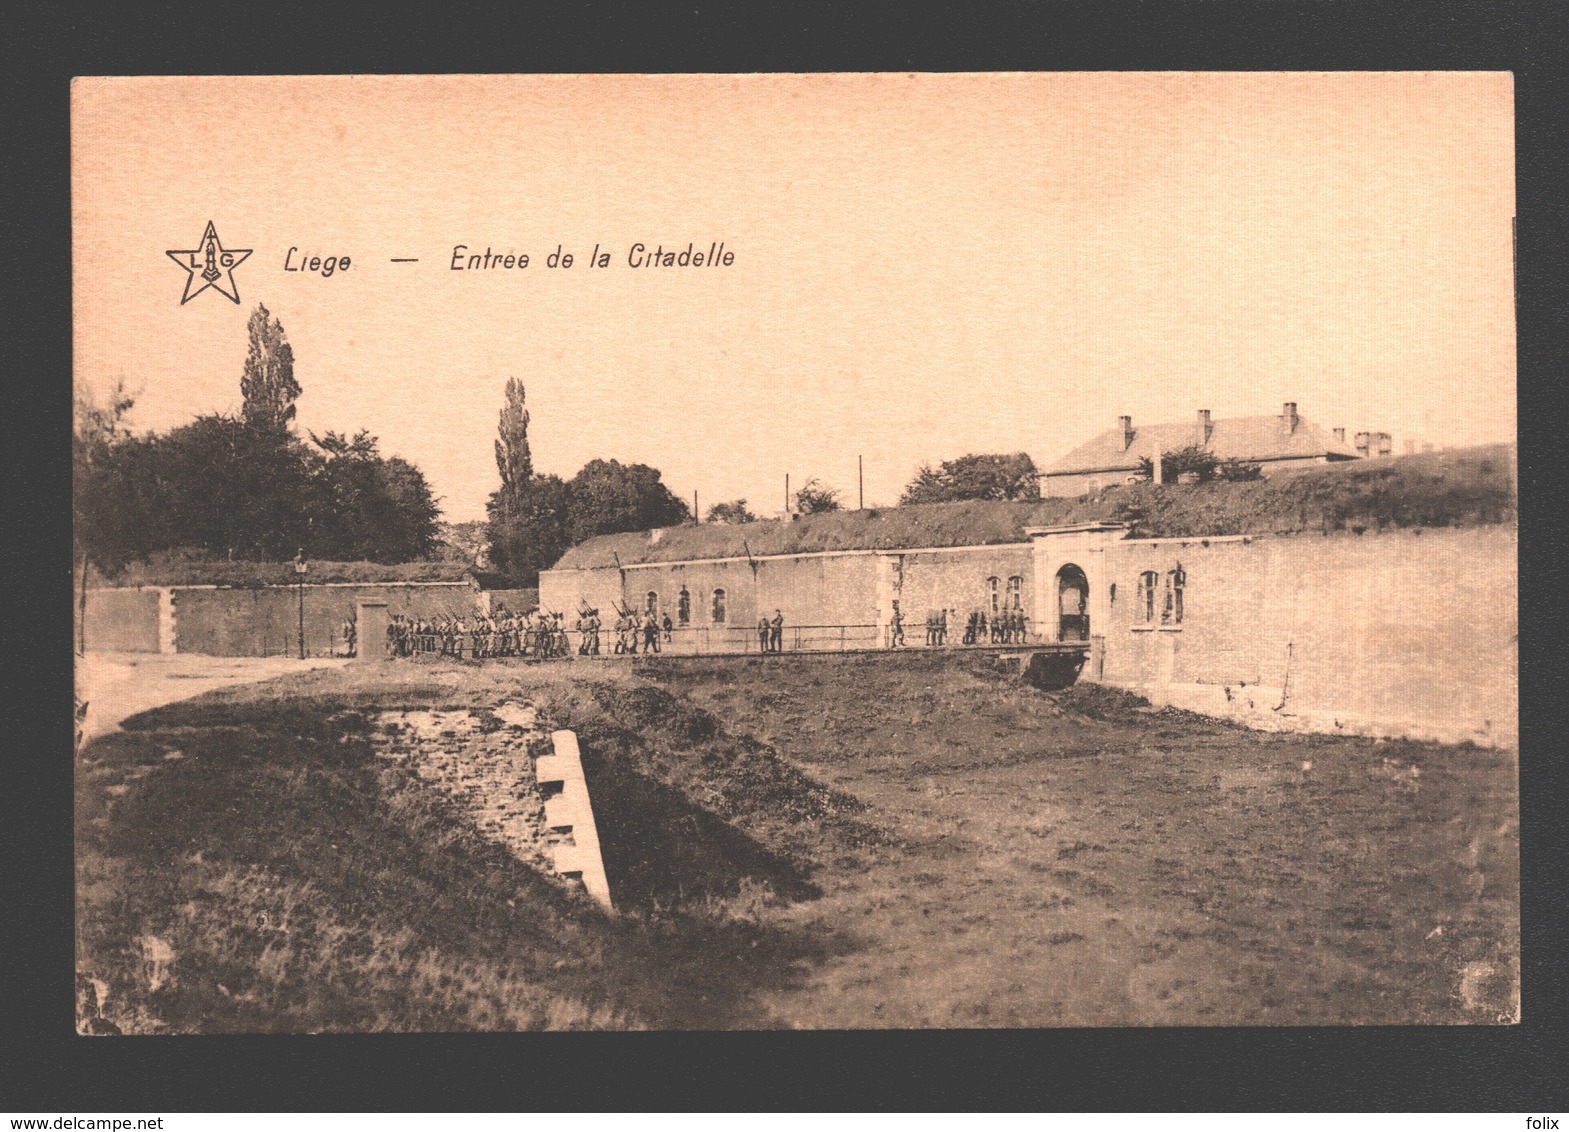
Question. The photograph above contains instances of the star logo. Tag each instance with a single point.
(210, 265)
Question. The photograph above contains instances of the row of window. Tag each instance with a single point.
(684, 606)
(1012, 599)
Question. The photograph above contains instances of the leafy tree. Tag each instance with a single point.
(994, 476)
(464, 542)
(530, 536)
(734, 511)
(528, 518)
(607, 496)
(1191, 458)
(366, 507)
(243, 487)
(236, 491)
(815, 498)
(267, 383)
(1239, 471)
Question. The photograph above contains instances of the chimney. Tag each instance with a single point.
(1362, 444)
(1203, 428)
(1288, 414)
(1126, 425)
(1340, 436)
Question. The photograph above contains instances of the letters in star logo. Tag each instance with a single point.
(209, 266)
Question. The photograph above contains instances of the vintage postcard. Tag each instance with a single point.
(794, 551)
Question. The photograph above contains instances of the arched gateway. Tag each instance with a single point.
(1073, 604)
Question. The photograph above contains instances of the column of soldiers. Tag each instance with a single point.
(634, 628)
(540, 635)
(1008, 627)
(937, 628)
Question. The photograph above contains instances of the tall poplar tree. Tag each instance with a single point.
(513, 459)
(268, 384)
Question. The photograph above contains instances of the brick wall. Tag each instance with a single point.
(959, 581)
(1408, 632)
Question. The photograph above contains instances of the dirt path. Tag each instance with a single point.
(118, 685)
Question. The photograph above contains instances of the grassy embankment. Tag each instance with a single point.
(798, 841)
(246, 862)
(1464, 487)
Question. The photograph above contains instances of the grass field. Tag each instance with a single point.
(796, 841)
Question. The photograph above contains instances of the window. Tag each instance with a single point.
(1016, 592)
(684, 606)
(652, 604)
(1146, 607)
(1171, 607)
(992, 596)
(719, 607)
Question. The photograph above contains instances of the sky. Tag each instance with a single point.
(924, 265)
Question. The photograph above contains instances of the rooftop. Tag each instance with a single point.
(1274, 437)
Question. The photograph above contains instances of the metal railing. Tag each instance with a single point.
(720, 640)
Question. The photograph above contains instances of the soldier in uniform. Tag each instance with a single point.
(669, 629)
(763, 632)
(650, 632)
(776, 633)
(896, 628)
(348, 636)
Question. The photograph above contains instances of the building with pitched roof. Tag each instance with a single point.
(1273, 442)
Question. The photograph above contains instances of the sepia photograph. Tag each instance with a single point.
(835, 551)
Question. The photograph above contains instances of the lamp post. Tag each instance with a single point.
(299, 577)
